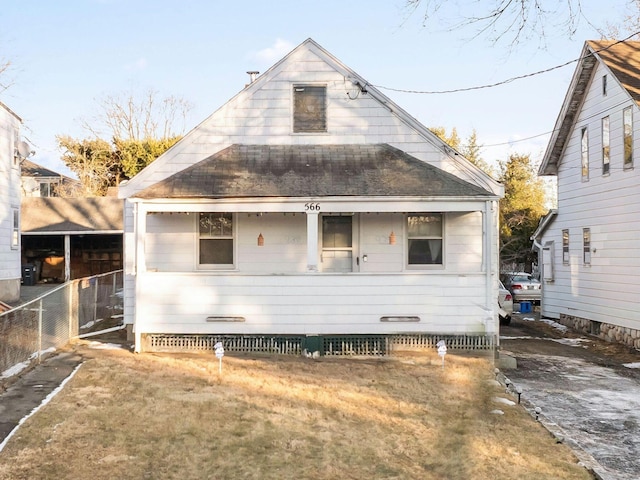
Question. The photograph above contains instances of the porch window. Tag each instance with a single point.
(216, 239)
(627, 117)
(605, 146)
(309, 109)
(565, 247)
(586, 246)
(424, 237)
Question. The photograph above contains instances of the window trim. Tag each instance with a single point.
(425, 266)
(586, 246)
(565, 247)
(606, 145)
(584, 153)
(233, 237)
(627, 134)
(295, 88)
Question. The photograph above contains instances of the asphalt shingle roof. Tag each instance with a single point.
(82, 215)
(623, 59)
(310, 171)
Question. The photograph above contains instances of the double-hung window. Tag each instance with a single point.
(584, 153)
(606, 147)
(216, 239)
(627, 120)
(15, 228)
(586, 246)
(309, 109)
(425, 239)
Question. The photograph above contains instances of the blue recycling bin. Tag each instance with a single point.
(525, 307)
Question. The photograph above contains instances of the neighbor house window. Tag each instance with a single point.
(424, 236)
(627, 120)
(565, 247)
(215, 246)
(309, 108)
(606, 153)
(586, 246)
(15, 228)
(48, 189)
(604, 85)
(584, 153)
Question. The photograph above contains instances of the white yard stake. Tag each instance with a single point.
(442, 350)
(219, 353)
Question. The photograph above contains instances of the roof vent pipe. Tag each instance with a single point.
(253, 74)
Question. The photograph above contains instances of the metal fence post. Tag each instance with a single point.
(39, 330)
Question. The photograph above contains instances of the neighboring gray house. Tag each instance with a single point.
(10, 156)
(590, 246)
(39, 181)
(310, 209)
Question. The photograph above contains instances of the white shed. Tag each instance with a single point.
(310, 211)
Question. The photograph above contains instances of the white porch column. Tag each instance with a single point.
(312, 241)
(140, 228)
(67, 258)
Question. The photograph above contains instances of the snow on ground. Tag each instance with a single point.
(19, 367)
(504, 401)
(572, 342)
(632, 365)
(556, 325)
(104, 346)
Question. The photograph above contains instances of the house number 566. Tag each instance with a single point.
(311, 207)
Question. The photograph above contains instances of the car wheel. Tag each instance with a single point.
(505, 320)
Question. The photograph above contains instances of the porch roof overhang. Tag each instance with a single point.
(319, 172)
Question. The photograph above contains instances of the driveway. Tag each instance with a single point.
(588, 391)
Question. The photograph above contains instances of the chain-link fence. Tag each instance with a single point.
(65, 312)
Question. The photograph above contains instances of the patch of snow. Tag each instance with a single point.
(87, 325)
(19, 367)
(556, 325)
(528, 319)
(120, 315)
(503, 337)
(494, 383)
(104, 346)
(497, 412)
(572, 342)
(632, 365)
(504, 401)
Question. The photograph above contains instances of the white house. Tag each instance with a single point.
(590, 245)
(310, 211)
(10, 272)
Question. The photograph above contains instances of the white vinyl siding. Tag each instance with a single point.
(607, 289)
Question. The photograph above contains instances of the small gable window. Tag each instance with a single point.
(604, 85)
(309, 108)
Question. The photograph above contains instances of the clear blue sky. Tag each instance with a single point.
(66, 54)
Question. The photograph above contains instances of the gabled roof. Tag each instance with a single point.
(622, 59)
(475, 174)
(311, 171)
(71, 215)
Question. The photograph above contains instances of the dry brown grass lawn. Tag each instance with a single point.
(155, 416)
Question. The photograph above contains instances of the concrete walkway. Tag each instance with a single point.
(28, 391)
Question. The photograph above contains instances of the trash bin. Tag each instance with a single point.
(28, 274)
(525, 307)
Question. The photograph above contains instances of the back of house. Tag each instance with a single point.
(309, 208)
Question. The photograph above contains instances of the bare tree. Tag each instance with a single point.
(128, 116)
(515, 21)
(5, 82)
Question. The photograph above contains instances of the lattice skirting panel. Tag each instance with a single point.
(317, 345)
